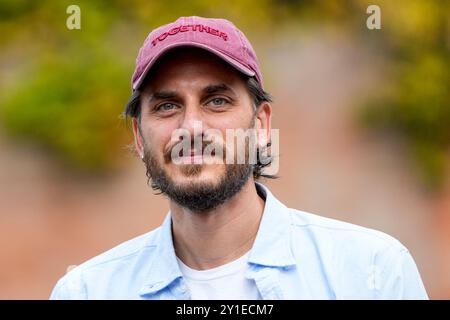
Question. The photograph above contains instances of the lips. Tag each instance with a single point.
(183, 152)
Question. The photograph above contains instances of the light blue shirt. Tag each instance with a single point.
(296, 255)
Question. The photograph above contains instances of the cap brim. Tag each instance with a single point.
(234, 63)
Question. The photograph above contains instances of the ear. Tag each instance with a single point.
(263, 123)
(138, 140)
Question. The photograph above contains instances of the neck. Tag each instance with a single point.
(207, 240)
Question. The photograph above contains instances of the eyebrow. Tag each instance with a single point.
(210, 89)
(222, 87)
(159, 95)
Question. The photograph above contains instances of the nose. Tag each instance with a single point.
(190, 130)
(192, 121)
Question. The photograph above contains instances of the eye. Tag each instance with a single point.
(166, 107)
(217, 102)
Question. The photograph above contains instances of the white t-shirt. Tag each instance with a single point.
(225, 282)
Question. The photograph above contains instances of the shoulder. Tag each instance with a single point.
(357, 261)
(340, 232)
(106, 266)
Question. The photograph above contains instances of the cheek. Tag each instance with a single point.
(157, 137)
(232, 121)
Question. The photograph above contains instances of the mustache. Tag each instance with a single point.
(192, 145)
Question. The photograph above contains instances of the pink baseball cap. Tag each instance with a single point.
(218, 36)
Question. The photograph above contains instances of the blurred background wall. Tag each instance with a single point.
(364, 120)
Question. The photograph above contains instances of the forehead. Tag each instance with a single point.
(189, 64)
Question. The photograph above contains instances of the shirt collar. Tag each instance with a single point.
(164, 267)
(271, 247)
(272, 244)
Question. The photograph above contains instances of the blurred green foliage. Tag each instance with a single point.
(65, 89)
(414, 103)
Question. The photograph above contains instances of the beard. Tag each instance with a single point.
(198, 196)
(201, 196)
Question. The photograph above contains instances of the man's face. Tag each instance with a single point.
(187, 90)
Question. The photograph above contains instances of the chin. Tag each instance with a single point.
(198, 174)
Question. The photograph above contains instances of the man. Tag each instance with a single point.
(226, 236)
